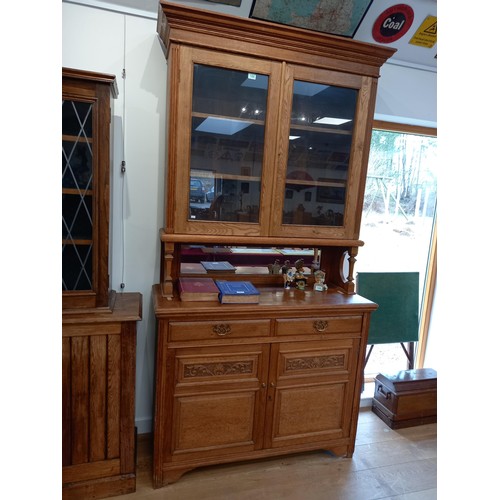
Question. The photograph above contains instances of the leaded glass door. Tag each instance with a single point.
(77, 190)
(86, 131)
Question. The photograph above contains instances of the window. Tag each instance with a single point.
(399, 218)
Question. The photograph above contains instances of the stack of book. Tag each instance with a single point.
(226, 292)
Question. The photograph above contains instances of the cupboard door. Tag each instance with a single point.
(218, 400)
(87, 103)
(322, 163)
(310, 387)
(78, 178)
(222, 144)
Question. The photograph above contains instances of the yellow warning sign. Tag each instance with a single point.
(426, 34)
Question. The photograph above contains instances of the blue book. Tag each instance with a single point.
(237, 292)
(221, 266)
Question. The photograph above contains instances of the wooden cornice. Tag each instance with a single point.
(92, 76)
(201, 28)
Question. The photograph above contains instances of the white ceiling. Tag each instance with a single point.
(407, 54)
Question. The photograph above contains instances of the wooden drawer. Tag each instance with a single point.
(211, 330)
(325, 325)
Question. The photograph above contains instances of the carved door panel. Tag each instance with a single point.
(310, 387)
(218, 400)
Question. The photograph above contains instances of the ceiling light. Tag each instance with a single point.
(328, 120)
(222, 126)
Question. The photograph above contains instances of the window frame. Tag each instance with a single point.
(431, 268)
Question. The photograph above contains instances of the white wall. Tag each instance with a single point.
(407, 95)
(105, 41)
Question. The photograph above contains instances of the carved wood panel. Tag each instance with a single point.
(223, 389)
(313, 359)
(224, 365)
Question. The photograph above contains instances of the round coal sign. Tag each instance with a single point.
(393, 23)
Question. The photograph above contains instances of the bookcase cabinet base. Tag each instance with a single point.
(100, 488)
(171, 474)
(239, 382)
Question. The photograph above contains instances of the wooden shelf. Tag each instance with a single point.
(77, 192)
(253, 121)
(75, 138)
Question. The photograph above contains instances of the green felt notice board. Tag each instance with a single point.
(396, 319)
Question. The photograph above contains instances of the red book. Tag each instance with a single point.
(198, 289)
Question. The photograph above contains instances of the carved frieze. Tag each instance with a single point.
(218, 369)
(314, 362)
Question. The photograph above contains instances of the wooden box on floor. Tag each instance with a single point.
(407, 398)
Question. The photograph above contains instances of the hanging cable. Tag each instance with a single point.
(123, 162)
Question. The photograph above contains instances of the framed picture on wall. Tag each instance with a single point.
(337, 17)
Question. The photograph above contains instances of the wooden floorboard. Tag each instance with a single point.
(387, 464)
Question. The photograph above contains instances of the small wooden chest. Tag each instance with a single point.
(407, 398)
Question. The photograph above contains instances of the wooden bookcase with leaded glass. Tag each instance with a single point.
(87, 102)
(98, 325)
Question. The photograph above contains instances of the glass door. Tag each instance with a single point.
(322, 157)
(398, 221)
(227, 144)
(77, 195)
(227, 141)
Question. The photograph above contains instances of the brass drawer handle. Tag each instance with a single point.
(222, 330)
(387, 395)
(320, 325)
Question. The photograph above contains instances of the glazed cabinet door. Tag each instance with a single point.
(87, 103)
(221, 142)
(311, 385)
(324, 140)
(218, 400)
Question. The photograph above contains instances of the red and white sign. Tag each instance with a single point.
(393, 23)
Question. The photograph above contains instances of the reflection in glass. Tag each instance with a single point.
(227, 144)
(249, 260)
(318, 154)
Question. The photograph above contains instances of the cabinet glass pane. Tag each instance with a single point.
(227, 144)
(77, 178)
(318, 154)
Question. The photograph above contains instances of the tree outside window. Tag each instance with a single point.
(398, 216)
